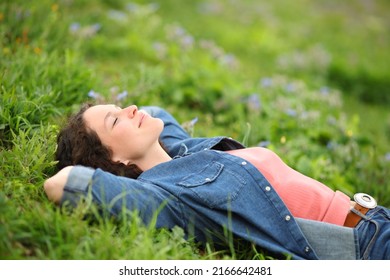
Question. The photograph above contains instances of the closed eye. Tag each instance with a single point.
(115, 121)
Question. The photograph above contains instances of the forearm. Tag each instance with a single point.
(54, 186)
(68, 184)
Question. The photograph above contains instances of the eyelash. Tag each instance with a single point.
(115, 121)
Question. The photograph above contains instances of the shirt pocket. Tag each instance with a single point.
(213, 184)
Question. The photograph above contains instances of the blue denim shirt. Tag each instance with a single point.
(209, 193)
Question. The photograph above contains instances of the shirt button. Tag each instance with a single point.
(307, 249)
(267, 188)
(207, 179)
(287, 218)
(205, 149)
(243, 163)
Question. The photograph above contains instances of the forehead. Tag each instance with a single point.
(100, 110)
(95, 115)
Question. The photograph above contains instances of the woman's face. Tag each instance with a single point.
(128, 132)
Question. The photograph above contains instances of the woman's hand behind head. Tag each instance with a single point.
(54, 186)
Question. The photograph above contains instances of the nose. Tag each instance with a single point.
(131, 111)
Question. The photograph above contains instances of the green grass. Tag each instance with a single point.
(308, 79)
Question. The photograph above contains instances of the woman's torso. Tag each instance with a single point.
(303, 196)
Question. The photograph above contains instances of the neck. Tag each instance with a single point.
(155, 156)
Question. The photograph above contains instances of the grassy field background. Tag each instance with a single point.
(308, 79)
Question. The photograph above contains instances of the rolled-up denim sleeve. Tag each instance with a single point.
(76, 187)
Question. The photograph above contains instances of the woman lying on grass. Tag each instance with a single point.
(143, 160)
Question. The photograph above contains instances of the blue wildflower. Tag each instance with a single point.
(266, 82)
(93, 94)
(387, 156)
(331, 145)
(187, 41)
(253, 102)
(264, 144)
(189, 126)
(179, 31)
(193, 121)
(132, 7)
(291, 112)
(290, 87)
(121, 95)
(160, 48)
(74, 27)
(117, 15)
(96, 27)
(228, 59)
(324, 91)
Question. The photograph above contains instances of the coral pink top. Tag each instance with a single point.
(304, 197)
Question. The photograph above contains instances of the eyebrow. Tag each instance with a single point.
(109, 114)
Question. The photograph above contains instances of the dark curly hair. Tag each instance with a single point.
(79, 145)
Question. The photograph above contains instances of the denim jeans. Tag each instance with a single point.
(329, 241)
(373, 233)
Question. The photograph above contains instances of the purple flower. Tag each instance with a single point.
(266, 82)
(117, 15)
(228, 59)
(387, 156)
(253, 102)
(324, 91)
(93, 94)
(193, 121)
(189, 125)
(264, 144)
(132, 7)
(121, 95)
(331, 145)
(74, 27)
(187, 41)
(96, 27)
(290, 87)
(179, 31)
(291, 112)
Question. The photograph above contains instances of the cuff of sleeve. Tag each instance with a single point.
(77, 185)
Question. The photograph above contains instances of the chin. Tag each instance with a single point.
(161, 125)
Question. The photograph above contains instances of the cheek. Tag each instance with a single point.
(122, 129)
(119, 135)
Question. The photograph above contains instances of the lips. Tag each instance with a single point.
(141, 119)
